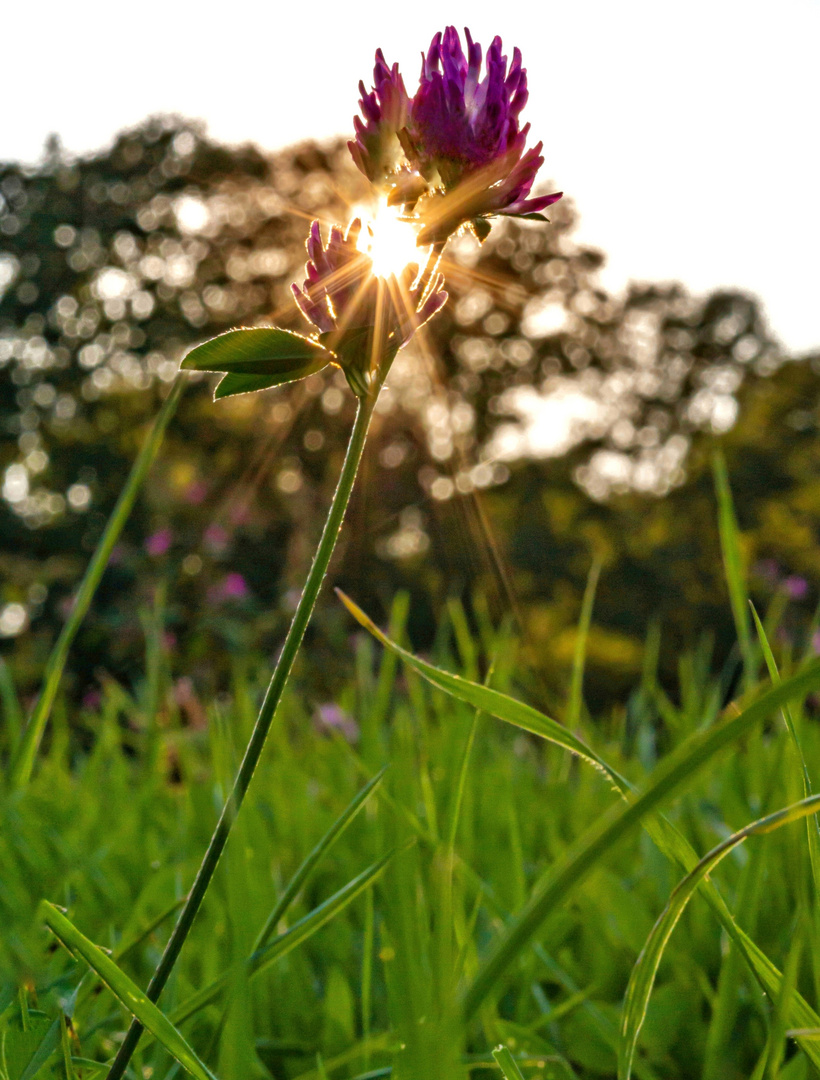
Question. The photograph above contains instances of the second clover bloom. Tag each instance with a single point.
(358, 314)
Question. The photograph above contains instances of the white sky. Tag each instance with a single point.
(687, 134)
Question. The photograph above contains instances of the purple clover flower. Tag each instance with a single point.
(464, 149)
(344, 299)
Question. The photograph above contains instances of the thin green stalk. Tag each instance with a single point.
(266, 713)
(24, 761)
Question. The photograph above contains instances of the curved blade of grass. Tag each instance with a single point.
(643, 974)
(23, 763)
(12, 713)
(296, 883)
(812, 824)
(507, 1063)
(583, 855)
(485, 698)
(262, 958)
(126, 991)
(579, 656)
(733, 564)
(667, 837)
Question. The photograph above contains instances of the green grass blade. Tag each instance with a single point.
(33, 733)
(733, 564)
(483, 697)
(646, 967)
(667, 778)
(126, 991)
(298, 880)
(812, 824)
(65, 1044)
(576, 691)
(284, 943)
(12, 713)
(507, 1063)
(667, 837)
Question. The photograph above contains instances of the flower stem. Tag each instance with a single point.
(273, 696)
(24, 761)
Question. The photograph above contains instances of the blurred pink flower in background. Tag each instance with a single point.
(196, 492)
(232, 587)
(159, 542)
(92, 699)
(216, 539)
(329, 717)
(796, 587)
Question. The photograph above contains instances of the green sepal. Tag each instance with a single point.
(482, 228)
(259, 350)
(528, 217)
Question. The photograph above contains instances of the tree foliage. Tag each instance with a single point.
(535, 423)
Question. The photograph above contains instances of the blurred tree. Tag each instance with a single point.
(533, 423)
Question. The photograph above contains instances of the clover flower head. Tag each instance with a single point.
(464, 156)
(352, 307)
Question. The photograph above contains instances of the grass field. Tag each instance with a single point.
(490, 886)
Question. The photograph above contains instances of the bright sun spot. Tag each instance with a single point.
(388, 240)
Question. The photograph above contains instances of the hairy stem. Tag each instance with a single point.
(257, 740)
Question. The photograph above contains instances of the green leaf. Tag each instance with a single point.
(667, 837)
(232, 384)
(643, 974)
(28, 1043)
(261, 350)
(127, 992)
(507, 1063)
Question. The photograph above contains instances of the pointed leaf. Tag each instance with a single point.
(232, 384)
(128, 993)
(643, 974)
(259, 350)
(507, 1063)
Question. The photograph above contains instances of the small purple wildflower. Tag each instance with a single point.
(464, 150)
(216, 539)
(92, 699)
(159, 542)
(796, 587)
(234, 587)
(330, 717)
